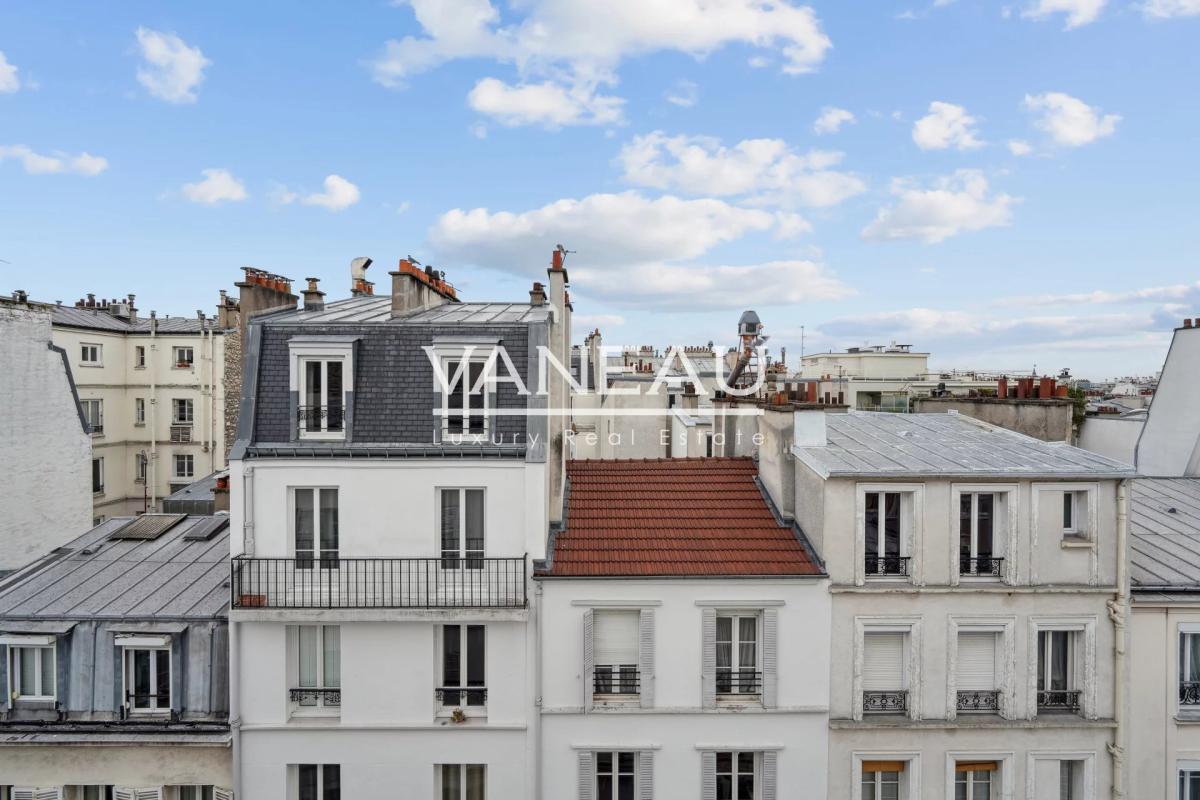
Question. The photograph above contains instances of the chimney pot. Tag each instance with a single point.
(1187, 322)
(314, 298)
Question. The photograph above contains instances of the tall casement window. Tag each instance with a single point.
(1189, 672)
(973, 780)
(139, 411)
(882, 780)
(322, 412)
(882, 518)
(139, 357)
(736, 775)
(182, 411)
(98, 475)
(31, 672)
(140, 464)
(462, 781)
(884, 677)
(148, 679)
(319, 782)
(1070, 780)
(89, 355)
(616, 775)
(319, 667)
(93, 412)
(737, 654)
(462, 528)
(465, 404)
(1056, 672)
(185, 465)
(615, 652)
(976, 530)
(464, 677)
(316, 527)
(977, 679)
(1075, 522)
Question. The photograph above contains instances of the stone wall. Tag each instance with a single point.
(1048, 420)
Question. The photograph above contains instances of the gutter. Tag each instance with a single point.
(1118, 612)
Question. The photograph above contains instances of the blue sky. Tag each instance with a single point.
(1002, 184)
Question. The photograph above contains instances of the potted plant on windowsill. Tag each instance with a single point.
(458, 716)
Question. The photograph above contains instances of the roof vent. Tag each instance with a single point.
(147, 527)
(206, 529)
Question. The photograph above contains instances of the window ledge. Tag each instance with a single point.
(1188, 717)
(1075, 541)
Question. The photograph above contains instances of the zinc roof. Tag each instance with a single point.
(1164, 527)
(102, 320)
(378, 308)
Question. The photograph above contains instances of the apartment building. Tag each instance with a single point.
(681, 639)
(384, 524)
(977, 603)
(152, 391)
(113, 655)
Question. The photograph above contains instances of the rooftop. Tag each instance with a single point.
(166, 578)
(1164, 528)
(378, 309)
(102, 320)
(697, 517)
(880, 444)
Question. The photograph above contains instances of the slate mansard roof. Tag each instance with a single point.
(880, 444)
(682, 517)
(1164, 527)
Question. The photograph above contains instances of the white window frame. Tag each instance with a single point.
(321, 707)
(139, 356)
(1005, 516)
(1002, 788)
(877, 782)
(912, 505)
(129, 648)
(85, 360)
(1006, 665)
(322, 431)
(735, 665)
(441, 708)
(294, 779)
(96, 425)
(757, 772)
(98, 460)
(1183, 767)
(187, 404)
(462, 769)
(616, 696)
(300, 352)
(177, 351)
(1083, 665)
(139, 411)
(319, 556)
(1184, 629)
(616, 773)
(197, 789)
(911, 627)
(1087, 780)
(462, 559)
(910, 781)
(39, 644)
(184, 458)
(466, 356)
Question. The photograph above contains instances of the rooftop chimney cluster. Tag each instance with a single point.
(432, 278)
(258, 277)
(117, 307)
(1187, 323)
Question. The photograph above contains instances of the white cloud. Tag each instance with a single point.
(218, 186)
(1019, 147)
(38, 164)
(684, 94)
(955, 204)
(1079, 12)
(171, 70)
(758, 62)
(9, 82)
(549, 104)
(1180, 292)
(1163, 9)
(339, 194)
(766, 171)
(946, 125)
(1068, 120)
(832, 119)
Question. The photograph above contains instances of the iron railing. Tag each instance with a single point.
(616, 679)
(461, 695)
(1189, 693)
(876, 702)
(316, 697)
(162, 701)
(324, 419)
(1058, 700)
(973, 700)
(887, 565)
(738, 681)
(326, 582)
(981, 565)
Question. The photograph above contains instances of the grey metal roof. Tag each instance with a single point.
(93, 577)
(378, 308)
(101, 320)
(880, 444)
(1164, 527)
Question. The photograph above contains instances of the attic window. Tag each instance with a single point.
(148, 527)
(322, 378)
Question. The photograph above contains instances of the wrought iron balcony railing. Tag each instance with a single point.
(986, 566)
(1189, 693)
(335, 583)
(891, 702)
(616, 679)
(323, 419)
(316, 697)
(887, 565)
(461, 695)
(1058, 700)
(738, 681)
(974, 700)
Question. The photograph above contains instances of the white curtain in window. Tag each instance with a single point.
(333, 656)
(310, 654)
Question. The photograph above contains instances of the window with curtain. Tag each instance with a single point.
(319, 781)
(462, 781)
(615, 651)
(93, 411)
(881, 780)
(1056, 671)
(31, 672)
(463, 666)
(148, 679)
(976, 531)
(882, 530)
(1189, 670)
(319, 665)
(316, 527)
(616, 775)
(737, 654)
(462, 528)
(736, 773)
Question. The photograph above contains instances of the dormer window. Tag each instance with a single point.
(465, 405)
(322, 382)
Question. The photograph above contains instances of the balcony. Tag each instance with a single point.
(316, 697)
(616, 679)
(982, 701)
(1058, 700)
(384, 583)
(1189, 693)
(321, 419)
(887, 565)
(981, 567)
(892, 702)
(738, 681)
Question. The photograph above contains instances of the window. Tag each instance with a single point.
(883, 674)
(1189, 671)
(93, 412)
(616, 776)
(463, 666)
(31, 673)
(708, 444)
(1189, 784)
(98, 793)
(976, 679)
(973, 780)
(147, 679)
(615, 652)
(139, 357)
(1070, 780)
(737, 654)
(1056, 667)
(183, 356)
(881, 780)
(195, 793)
(319, 666)
(89, 355)
(139, 411)
(97, 475)
(1069, 513)
(462, 528)
(1075, 521)
(465, 404)
(735, 775)
(882, 530)
(322, 402)
(140, 464)
(184, 465)
(182, 411)
(976, 530)
(319, 781)
(316, 527)
(462, 781)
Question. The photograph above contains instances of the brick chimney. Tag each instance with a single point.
(537, 295)
(359, 285)
(314, 298)
(414, 289)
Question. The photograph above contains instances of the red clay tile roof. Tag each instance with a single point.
(672, 516)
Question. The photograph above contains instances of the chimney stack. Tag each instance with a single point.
(537, 295)
(414, 288)
(314, 298)
(359, 285)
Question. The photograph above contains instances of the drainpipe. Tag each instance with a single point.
(536, 722)
(235, 705)
(153, 465)
(1118, 611)
(212, 401)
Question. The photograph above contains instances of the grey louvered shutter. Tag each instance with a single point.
(587, 660)
(708, 658)
(708, 775)
(587, 782)
(770, 646)
(646, 656)
(645, 776)
(770, 760)
(222, 794)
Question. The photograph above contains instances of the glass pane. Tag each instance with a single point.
(454, 400)
(746, 763)
(891, 524)
(162, 677)
(333, 378)
(964, 526)
(1193, 643)
(451, 656)
(1193, 785)
(474, 530)
(312, 386)
(872, 527)
(604, 787)
(960, 788)
(451, 782)
(625, 787)
(450, 528)
(308, 781)
(724, 762)
(310, 655)
(981, 788)
(329, 522)
(1059, 668)
(747, 642)
(475, 656)
(141, 678)
(333, 656)
(889, 789)
(604, 763)
(304, 523)
(868, 786)
(1068, 510)
(984, 537)
(29, 672)
(1043, 643)
(476, 781)
(625, 763)
(745, 787)
(724, 787)
(331, 782)
(475, 400)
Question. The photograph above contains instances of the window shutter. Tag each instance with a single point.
(977, 661)
(222, 794)
(770, 760)
(708, 775)
(883, 662)
(587, 662)
(708, 660)
(19, 793)
(645, 775)
(770, 649)
(646, 657)
(123, 793)
(148, 793)
(48, 794)
(587, 782)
